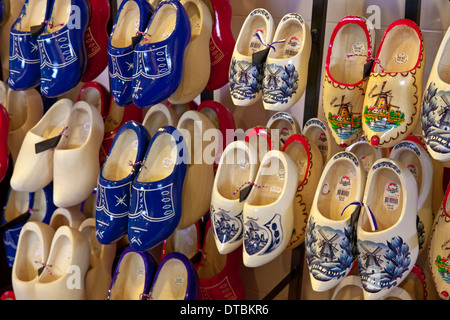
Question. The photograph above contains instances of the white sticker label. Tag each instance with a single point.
(358, 48)
(243, 164)
(366, 163)
(281, 174)
(140, 272)
(344, 187)
(391, 196)
(325, 188)
(167, 162)
(255, 43)
(275, 189)
(412, 168)
(135, 144)
(87, 126)
(178, 281)
(401, 58)
(292, 46)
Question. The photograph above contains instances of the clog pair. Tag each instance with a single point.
(279, 75)
(47, 46)
(140, 186)
(147, 50)
(20, 208)
(47, 261)
(138, 277)
(377, 95)
(62, 147)
(252, 203)
(382, 237)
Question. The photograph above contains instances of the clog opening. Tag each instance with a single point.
(212, 115)
(127, 25)
(350, 292)
(59, 219)
(249, 43)
(366, 154)
(385, 199)
(17, 109)
(171, 283)
(235, 171)
(78, 129)
(157, 119)
(283, 129)
(93, 97)
(29, 251)
(298, 154)
(292, 34)
(96, 248)
(60, 15)
(122, 155)
(339, 188)
(184, 241)
(161, 159)
(213, 262)
(115, 117)
(269, 184)
(195, 18)
(163, 24)
(34, 15)
(59, 261)
(131, 277)
(18, 203)
(39, 206)
(318, 137)
(443, 68)
(350, 40)
(53, 124)
(413, 164)
(400, 50)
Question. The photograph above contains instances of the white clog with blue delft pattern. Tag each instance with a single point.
(286, 68)
(268, 211)
(387, 241)
(330, 232)
(236, 172)
(245, 77)
(436, 104)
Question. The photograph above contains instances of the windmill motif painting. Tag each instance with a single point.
(245, 79)
(435, 116)
(280, 83)
(382, 115)
(329, 251)
(327, 248)
(371, 257)
(345, 122)
(383, 264)
(227, 227)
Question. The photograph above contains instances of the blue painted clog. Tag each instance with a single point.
(24, 71)
(130, 21)
(115, 179)
(175, 279)
(155, 208)
(20, 208)
(158, 57)
(133, 276)
(61, 47)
